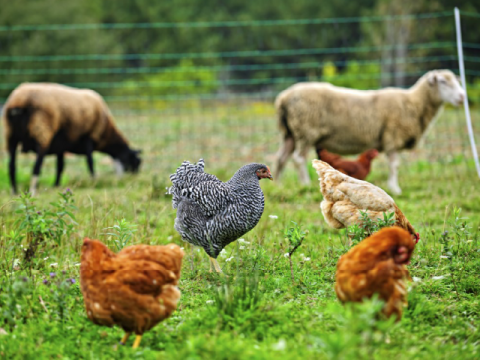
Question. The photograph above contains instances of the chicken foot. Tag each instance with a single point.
(136, 343)
(215, 264)
(138, 338)
(125, 338)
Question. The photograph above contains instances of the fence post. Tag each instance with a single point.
(464, 83)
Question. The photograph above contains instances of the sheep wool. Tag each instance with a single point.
(347, 121)
(55, 106)
(49, 118)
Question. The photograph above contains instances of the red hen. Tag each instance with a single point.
(359, 169)
(377, 266)
(134, 289)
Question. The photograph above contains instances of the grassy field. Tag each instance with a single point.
(258, 311)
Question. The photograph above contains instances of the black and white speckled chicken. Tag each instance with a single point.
(211, 213)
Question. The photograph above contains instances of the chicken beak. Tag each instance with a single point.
(269, 174)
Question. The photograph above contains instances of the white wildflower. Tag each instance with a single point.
(286, 255)
(416, 279)
(242, 247)
(208, 302)
(3, 332)
(306, 259)
(273, 216)
(223, 253)
(45, 258)
(280, 345)
(229, 259)
(241, 241)
(53, 264)
(77, 264)
(443, 257)
(438, 277)
(170, 238)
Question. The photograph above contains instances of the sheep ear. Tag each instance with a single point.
(432, 79)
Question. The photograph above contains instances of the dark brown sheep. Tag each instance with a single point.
(49, 118)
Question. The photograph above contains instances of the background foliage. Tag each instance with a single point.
(182, 36)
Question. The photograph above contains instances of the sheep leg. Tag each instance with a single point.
(36, 170)
(89, 151)
(60, 165)
(12, 149)
(394, 162)
(284, 153)
(299, 158)
(318, 150)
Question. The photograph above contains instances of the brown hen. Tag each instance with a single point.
(134, 289)
(377, 266)
(358, 169)
(344, 197)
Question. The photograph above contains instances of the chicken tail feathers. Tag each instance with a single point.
(187, 177)
(185, 170)
(322, 168)
(402, 221)
(320, 165)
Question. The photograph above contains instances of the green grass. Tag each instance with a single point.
(257, 312)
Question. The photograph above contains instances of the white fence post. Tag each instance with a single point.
(464, 83)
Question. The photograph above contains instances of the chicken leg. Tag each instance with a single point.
(215, 264)
(125, 338)
(137, 341)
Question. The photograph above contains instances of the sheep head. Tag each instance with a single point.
(130, 160)
(448, 86)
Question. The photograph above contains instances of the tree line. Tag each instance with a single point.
(226, 57)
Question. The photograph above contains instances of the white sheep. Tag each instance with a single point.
(49, 118)
(347, 121)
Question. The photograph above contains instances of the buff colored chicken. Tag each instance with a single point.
(344, 197)
(134, 289)
(377, 266)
